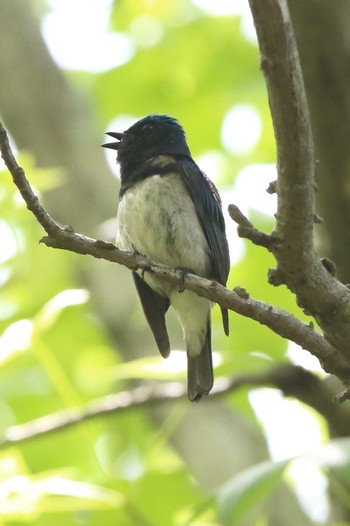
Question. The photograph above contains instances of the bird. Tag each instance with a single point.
(170, 212)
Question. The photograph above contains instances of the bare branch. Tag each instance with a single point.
(292, 380)
(23, 186)
(138, 397)
(295, 160)
(238, 300)
(247, 230)
(299, 267)
(278, 320)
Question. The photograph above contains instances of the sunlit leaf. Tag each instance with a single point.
(16, 338)
(49, 312)
(335, 454)
(24, 495)
(238, 496)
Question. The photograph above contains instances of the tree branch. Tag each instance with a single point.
(298, 265)
(290, 379)
(24, 187)
(295, 158)
(247, 230)
(238, 300)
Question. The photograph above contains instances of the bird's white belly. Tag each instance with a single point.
(157, 218)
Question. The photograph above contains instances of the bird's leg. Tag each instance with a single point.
(183, 273)
(143, 269)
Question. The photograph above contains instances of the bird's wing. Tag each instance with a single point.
(154, 306)
(207, 203)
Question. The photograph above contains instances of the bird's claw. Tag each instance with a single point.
(183, 273)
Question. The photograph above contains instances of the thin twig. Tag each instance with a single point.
(19, 178)
(247, 230)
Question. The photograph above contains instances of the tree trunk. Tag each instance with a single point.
(323, 37)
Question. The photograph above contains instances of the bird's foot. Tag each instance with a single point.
(182, 271)
(142, 268)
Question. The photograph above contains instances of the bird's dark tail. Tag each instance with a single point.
(200, 376)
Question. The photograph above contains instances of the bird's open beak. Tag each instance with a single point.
(114, 145)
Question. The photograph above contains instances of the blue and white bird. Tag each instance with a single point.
(170, 212)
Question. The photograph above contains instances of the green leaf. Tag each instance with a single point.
(240, 494)
(335, 454)
(53, 308)
(28, 496)
(25, 496)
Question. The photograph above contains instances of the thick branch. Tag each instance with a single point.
(295, 161)
(291, 380)
(299, 267)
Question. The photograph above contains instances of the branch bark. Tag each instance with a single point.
(298, 265)
(238, 300)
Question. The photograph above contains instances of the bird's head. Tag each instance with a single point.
(149, 137)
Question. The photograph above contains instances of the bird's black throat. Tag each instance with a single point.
(160, 165)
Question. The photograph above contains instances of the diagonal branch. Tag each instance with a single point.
(238, 300)
(24, 187)
(291, 380)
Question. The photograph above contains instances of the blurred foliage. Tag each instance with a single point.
(55, 351)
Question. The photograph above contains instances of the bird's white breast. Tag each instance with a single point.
(157, 218)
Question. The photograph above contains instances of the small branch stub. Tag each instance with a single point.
(247, 230)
